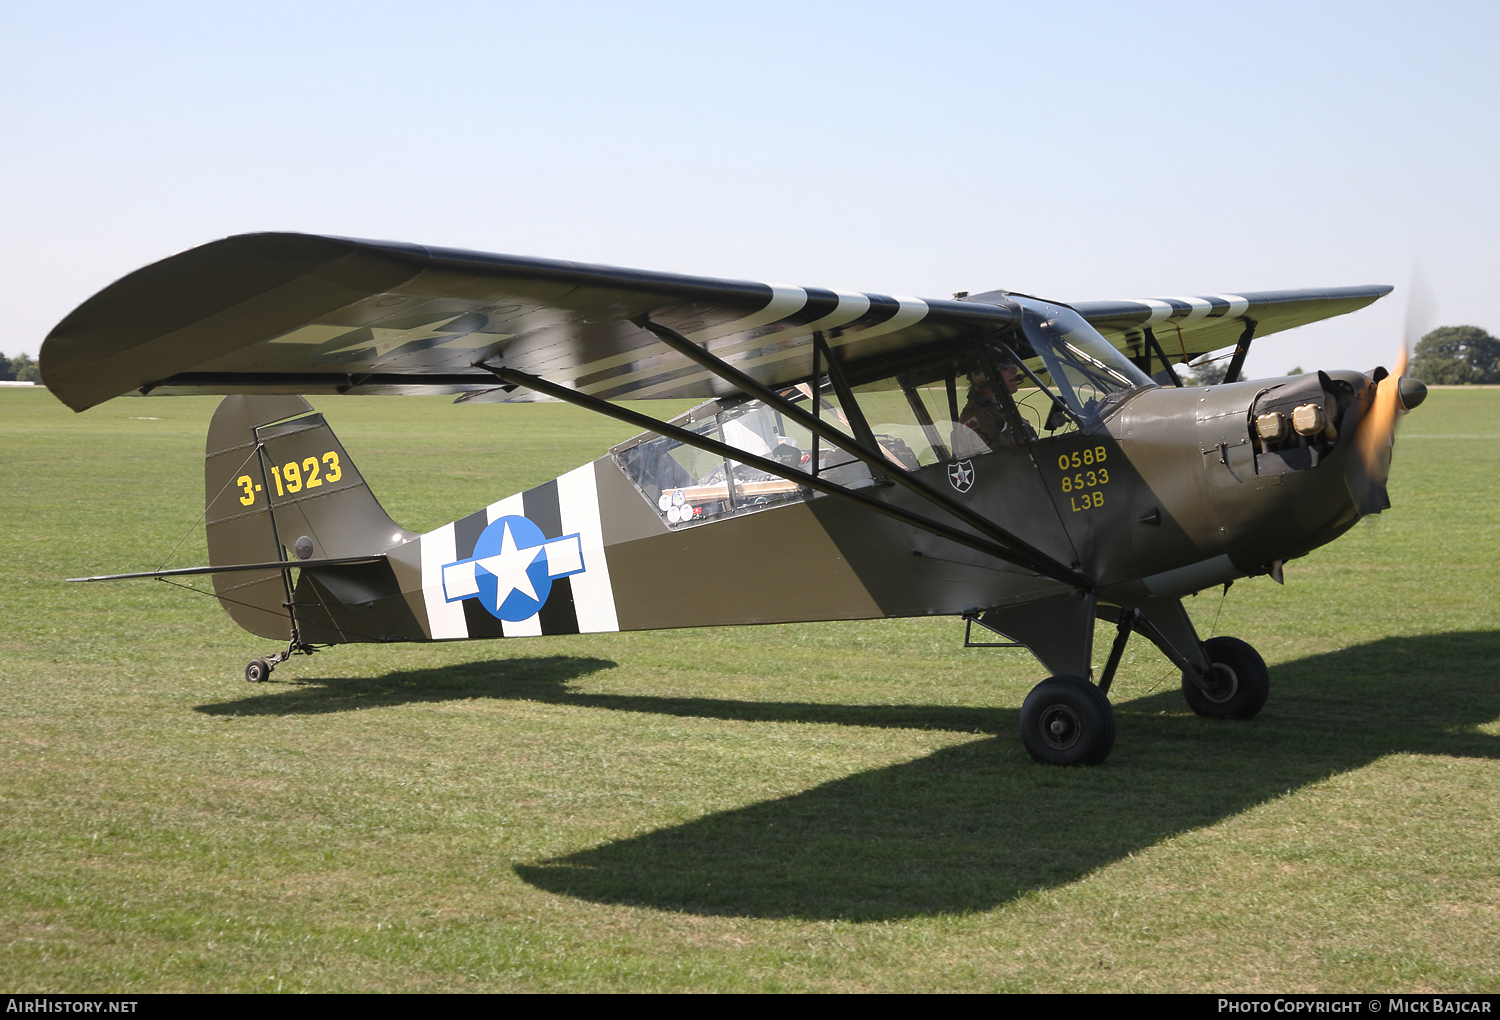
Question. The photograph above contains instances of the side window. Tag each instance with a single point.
(916, 417)
(660, 466)
(687, 485)
(898, 432)
(834, 464)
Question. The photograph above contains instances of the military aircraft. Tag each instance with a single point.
(1001, 458)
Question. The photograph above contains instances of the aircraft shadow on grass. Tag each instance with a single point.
(976, 825)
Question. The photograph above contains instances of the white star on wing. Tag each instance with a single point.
(386, 340)
(509, 567)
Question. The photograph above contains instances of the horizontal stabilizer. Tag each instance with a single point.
(335, 561)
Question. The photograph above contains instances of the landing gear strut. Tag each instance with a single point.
(1066, 720)
(1222, 678)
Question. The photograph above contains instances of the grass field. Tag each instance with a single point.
(825, 807)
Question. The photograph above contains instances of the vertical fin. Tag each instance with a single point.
(237, 519)
(286, 489)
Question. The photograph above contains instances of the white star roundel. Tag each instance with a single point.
(512, 569)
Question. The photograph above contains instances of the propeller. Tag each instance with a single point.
(1396, 393)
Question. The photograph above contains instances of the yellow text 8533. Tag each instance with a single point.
(1083, 487)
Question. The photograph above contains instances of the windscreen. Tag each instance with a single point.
(1070, 356)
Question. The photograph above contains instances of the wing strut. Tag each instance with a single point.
(1153, 346)
(1040, 564)
(875, 461)
(1241, 349)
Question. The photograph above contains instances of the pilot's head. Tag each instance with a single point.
(1011, 373)
(980, 385)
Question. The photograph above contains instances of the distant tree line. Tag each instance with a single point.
(20, 369)
(1457, 356)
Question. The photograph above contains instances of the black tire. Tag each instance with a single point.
(1066, 720)
(1244, 681)
(258, 671)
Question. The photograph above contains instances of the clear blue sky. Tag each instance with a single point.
(1079, 151)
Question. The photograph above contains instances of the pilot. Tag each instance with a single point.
(984, 416)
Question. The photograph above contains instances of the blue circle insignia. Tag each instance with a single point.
(512, 546)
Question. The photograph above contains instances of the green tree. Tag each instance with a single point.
(1457, 356)
(20, 368)
(1208, 373)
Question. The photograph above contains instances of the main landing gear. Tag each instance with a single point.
(1066, 720)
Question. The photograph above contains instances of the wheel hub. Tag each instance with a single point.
(1224, 684)
(1060, 726)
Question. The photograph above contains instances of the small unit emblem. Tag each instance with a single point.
(961, 475)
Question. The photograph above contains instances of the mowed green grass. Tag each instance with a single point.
(840, 806)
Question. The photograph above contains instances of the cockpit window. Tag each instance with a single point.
(1070, 357)
(688, 485)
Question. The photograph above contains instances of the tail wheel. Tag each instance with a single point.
(258, 671)
(1239, 685)
(1066, 720)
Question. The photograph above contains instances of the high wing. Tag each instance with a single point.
(296, 313)
(293, 313)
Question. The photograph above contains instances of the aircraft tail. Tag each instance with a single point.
(278, 485)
